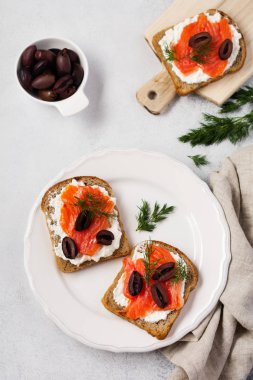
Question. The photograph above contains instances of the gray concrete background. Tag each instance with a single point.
(37, 142)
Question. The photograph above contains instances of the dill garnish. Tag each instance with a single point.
(149, 265)
(93, 205)
(181, 272)
(147, 219)
(199, 160)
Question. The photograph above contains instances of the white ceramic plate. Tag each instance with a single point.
(198, 227)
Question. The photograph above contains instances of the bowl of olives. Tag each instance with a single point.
(54, 71)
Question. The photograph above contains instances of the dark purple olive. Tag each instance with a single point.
(72, 56)
(164, 272)
(55, 50)
(225, 49)
(160, 295)
(68, 92)
(104, 237)
(40, 67)
(69, 248)
(135, 283)
(43, 81)
(200, 39)
(27, 57)
(83, 221)
(63, 64)
(47, 95)
(25, 78)
(45, 54)
(63, 83)
(77, 74)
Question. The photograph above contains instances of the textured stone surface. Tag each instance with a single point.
(37, 142)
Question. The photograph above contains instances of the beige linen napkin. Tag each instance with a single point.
(222, 346)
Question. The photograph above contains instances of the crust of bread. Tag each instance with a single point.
(157, 329)
(66, 265)
(183, 88)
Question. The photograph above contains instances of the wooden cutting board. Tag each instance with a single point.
(157, 93)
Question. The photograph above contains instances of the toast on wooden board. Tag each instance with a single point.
(161, 328)
(184, 88)
(64, 264)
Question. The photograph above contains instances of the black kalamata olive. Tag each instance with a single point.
(160, 295)
(83, 221)
(69, 248)
(40, 67)
(28, 56)
(63, 83)
(55, 50)
(104, 237)
(25, 78)
(63, 64)
(68, 92)
(225, 49)
(135, 283)
(164, 272)
(77, 74)
(72, 56)
(199, 39)
(47, 95)
(45, 54)
(43, 81)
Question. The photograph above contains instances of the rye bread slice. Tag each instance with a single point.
(183, 88)
(157, 329)
(66, 265)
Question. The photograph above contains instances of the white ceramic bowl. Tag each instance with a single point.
(76, 102)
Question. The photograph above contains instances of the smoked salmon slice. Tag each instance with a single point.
(211, 64)
(85, 240)
(143, 304)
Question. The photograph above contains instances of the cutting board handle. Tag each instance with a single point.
(157, 93)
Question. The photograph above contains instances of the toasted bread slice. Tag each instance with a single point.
(161, 328)
(184, 88)
(64, 264)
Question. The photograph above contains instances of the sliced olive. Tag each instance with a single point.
(69, 248)
(199, 39)
(164, 272)
(83, 221)
(225, 49)
(135, 283)
(105, 237)
(160, 295)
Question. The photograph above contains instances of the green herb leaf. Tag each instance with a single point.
(169, 54)
(149, 265)
(93, 205)
(216, 129)
(148, 220)
(181, 272)
(200, 54)
(239, 99)
(199, 160)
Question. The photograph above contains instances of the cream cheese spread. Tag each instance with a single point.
(172, 36)
(122, 300)
(104, 251)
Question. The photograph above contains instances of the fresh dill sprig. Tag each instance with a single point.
(216, 129)
(239, 99)
(180, 273)
(198, 54)
(147, 219)
(149, 265)
(199, 160)
(170, 55)
(93, 205)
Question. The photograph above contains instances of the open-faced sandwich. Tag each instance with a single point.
(152, 287)
(200, 50)
(84, 223)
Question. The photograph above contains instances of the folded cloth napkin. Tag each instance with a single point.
(222, 345)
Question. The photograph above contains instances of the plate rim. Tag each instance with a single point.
(159, 343)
